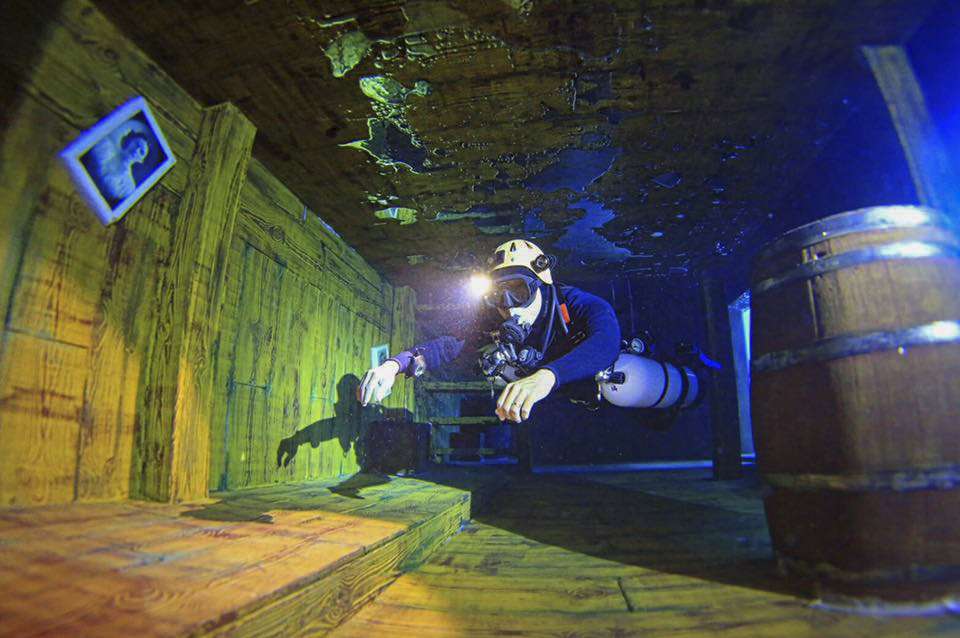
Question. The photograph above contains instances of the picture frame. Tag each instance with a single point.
(119, 159)
(379, 354)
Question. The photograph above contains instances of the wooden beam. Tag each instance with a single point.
(930, 168)
(456, 387)
(173, 443)
(722, 390)
(464, 420)
(473, 451)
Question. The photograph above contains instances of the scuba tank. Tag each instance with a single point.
(636, 381)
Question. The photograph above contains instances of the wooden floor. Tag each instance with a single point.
(613, 555)
(270, 561)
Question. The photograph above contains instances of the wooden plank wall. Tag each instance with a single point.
(80, 300)
(81, 303)
(302, 312)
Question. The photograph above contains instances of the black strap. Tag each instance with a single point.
(666, 383)
(684, 385)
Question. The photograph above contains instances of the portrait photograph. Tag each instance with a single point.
(118, 160)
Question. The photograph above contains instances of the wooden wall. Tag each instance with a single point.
(107, 329)
(302, 313)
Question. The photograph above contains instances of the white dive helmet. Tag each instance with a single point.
(520, 252)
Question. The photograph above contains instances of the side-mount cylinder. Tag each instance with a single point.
(636, 381)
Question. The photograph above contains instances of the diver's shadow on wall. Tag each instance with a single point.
(385, 440)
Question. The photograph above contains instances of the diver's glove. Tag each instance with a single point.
(377, 383)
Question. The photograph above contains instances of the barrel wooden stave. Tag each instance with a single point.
(875, 397)
(833, 533)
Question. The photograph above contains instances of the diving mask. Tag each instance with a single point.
(512, 290)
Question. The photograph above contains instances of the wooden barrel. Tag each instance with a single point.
(856, 405)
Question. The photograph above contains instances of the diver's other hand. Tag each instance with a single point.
(377, 382)
(517, 399)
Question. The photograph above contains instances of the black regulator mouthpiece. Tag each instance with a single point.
(513, 332)
(508, 357)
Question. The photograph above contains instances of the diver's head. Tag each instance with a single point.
(518, 273)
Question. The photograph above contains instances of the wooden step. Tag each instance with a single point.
(456, 387)
(272, 561)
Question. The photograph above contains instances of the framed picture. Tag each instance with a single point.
(379, 354)
(119, 159)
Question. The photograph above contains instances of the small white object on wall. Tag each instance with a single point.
(379, 354)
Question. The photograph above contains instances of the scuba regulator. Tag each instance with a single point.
(507, 357)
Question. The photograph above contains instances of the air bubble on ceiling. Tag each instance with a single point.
(392, 146)
(400, 213)
(498, 225)
(346, 52)
(392, 142)
(475, 212)
(386, 90)
(582, 238)
(667, 180)
(533, 225)
(575, 169)
(523, 7)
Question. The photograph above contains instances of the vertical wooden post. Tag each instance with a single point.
(722, 388)
(173, 442)
(930, 168)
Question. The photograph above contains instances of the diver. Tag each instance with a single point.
(549, 335)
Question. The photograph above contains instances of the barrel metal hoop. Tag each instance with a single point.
(855, 221)
(859, 257)
(828, 572)
(936, 332)
(873, 606)
(907, 480)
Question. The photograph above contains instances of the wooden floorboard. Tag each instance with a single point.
(645, 554)
(264, 561)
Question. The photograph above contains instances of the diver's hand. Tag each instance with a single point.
(377, 382)
(517, 398)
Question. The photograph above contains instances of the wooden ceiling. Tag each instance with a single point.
(627, 136)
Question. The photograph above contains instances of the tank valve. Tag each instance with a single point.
(611, 376)
(617, 378)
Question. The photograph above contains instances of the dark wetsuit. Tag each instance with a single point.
(591, 344)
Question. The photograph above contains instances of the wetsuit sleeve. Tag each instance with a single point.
(436, 352)
(599, 348)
